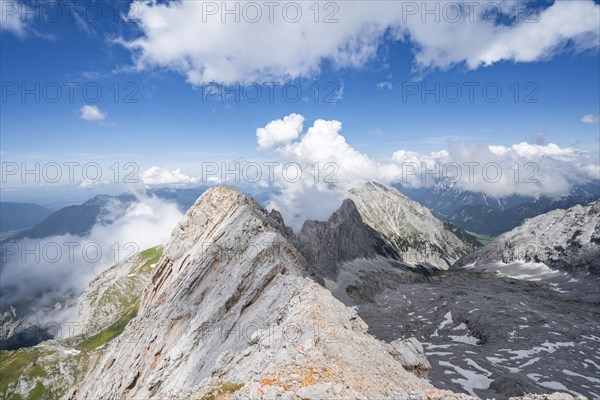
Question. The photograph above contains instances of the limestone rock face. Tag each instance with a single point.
(377, 221)
(229, 308)
(317, 348)
(407, 227)
(566, 240)
(344, 237)
(411, 355)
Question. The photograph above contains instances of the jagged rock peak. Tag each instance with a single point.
(215, 205)
(343, 237)
(371, 197)
(221, 212)
(409, 228)
(373, 187)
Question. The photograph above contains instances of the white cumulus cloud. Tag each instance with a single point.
(164, 176)
(483, 42)
(591, 119)
(279, 131)
(330, 166)
(92, 113)
(12, 17)
(202, 42)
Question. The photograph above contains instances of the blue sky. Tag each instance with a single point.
(170, 124)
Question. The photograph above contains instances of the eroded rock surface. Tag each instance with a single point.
(565, 240)
(406, 226)
(230, 302)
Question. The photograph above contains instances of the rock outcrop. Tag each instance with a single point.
(565, 240)
(344, 237)
(411, 355)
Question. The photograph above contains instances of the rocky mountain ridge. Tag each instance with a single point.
(565, 240)
(231, 311)
(243, 317)
(344, 237)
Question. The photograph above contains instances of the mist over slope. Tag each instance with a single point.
(42, 278)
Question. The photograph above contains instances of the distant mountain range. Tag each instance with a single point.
(15, 216)
(479, 213)
(32, 221)
(463, 210)
(493, 222)
(443, 198)
(79, 219)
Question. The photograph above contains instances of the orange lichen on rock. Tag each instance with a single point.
(298, 378)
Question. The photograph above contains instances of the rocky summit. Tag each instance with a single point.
(230, 306)
(375, 220)
(407, 227)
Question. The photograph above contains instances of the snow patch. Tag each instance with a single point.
(472, 380)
